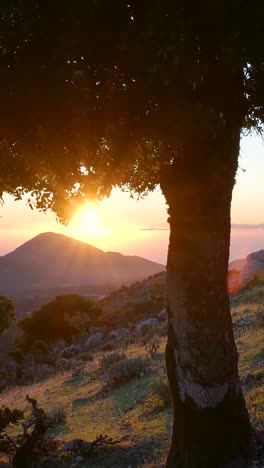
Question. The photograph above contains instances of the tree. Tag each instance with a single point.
(55, 320)
(101, 94)
(7, 313)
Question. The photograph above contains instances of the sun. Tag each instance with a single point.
(89, 222)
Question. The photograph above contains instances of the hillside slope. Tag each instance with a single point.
(136, 412)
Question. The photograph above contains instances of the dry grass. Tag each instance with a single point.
(131, 412)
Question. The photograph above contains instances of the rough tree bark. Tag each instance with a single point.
(211, 427)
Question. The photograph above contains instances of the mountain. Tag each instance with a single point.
(52, 260)
(237, 264)
(244, 270)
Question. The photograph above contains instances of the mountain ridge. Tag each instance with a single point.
(51, 259)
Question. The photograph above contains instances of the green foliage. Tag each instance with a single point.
(57, 416)
(63, 364)
(160, 388)
(51, 321)
(97, 119)
(7, 313)
(125, 370)
(132, 312)
(259, 317)
(110, 359)
(86, 356)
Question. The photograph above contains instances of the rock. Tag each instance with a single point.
(244, 322)
(146, 324)
(120, 334)
(79, 459)
(75, 348)
(94, 340)
(162, 315)
(72, 445)
(247, 379)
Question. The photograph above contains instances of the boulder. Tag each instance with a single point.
(75, 348)
(146, 324)
(244, 321)
(247, 379)
(120, 334)
(94, 340)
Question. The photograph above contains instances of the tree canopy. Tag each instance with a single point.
(52, 321)
(100, 94)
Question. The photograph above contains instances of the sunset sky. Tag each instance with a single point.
(122, 224)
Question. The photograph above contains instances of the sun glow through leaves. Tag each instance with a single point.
(89, 222)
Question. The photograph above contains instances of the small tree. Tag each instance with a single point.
(7, 313)
(53, 320)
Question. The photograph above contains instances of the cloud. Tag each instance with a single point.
(154, 229)
(244, 227)
(248, 227)
(10, 227)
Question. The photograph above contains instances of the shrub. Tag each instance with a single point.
(162, 329)
(110, 359)
(85, 357)
(56, 417)
(125, 370)
(259, 317)
(161, 389)
(58, 319)
(7, 313)
(65, 364)
(152, 347)
(41, 372)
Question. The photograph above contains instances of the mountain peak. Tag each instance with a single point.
(55, 260)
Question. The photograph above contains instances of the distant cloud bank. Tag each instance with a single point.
(247, 226)
(244, 227)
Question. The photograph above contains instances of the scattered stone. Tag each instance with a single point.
(146, 324)
(72, 445)
(75, 348)
(247, 379)
(120, 334)
(244, 322)
(94, 340)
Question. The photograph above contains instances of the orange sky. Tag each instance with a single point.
(116, 224)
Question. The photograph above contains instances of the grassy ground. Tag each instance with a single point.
(133, 413)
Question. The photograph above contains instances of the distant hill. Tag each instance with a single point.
(237, 264)
(52, 260)
(244, 270)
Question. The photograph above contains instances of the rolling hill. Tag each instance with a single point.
(52, 260)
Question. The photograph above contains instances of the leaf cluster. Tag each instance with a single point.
(101, 94)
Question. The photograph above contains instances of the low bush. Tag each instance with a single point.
(86, 357)
(41, 372)
(110, 359)
(152, 347)
(126, 370)
(160, 388)
(65, 364)
(259, 317)
(162, 329)
(56, 417)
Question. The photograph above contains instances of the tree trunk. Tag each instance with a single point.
(211, 427)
